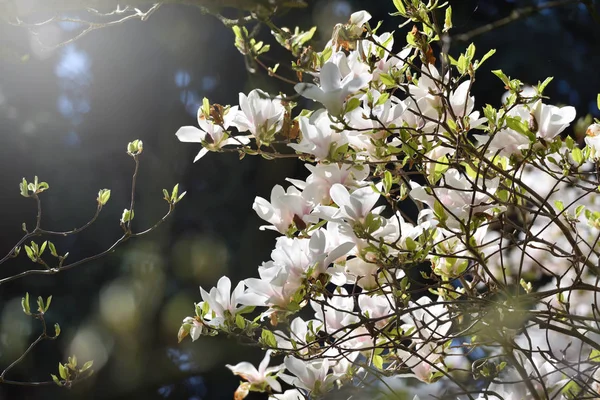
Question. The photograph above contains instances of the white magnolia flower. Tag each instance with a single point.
(317, 136)
(276, 287)
(284, 209)
(353, 206)
(299, 331)
(221, 299)
(260, 115)
(196, 327)
(358, 19)
(212, 136)
(592, 139)
(308, 375)
(260, 377)
(324, 176)
(334, 89)
(337, 313)
(551, 120)
(458, 197)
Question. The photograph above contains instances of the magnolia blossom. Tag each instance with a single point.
(284, 209)
(333, 89)
(550, 120)
(336, 314)
(259, 114)
(212, 136)
(318, 138)
(458, 196)
(221, 300)
(263, 376)
(307, 375)
(357, 265)
(353, 206)
(592, 139)
(324, 176)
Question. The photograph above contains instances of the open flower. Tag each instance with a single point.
(221, 300)
(212, 136)
(309, 375)
(259, 378)
(260, 115)
(592, 139)
(334, 88)
(551, 120)
(284, 209)
(317, 135)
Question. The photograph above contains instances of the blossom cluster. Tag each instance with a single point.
(435, 248)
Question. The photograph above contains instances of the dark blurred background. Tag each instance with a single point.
(67, 115)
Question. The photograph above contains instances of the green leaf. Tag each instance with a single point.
(400, 6)
(579, 210)
(40, 303)
(598, 101)
(30, 253)
(268, 338)
(387, 181)
(48, 301)
(502, 76)
(43, 248)
(56, 330)
(387, 80)
(127, 216)
(87, 365)
(174, 193)
(25, 304)
(577, 155)
(23, 187)
(448, 19)
(52, 249)
(378, 362)
(542, 86)
(103, 196)
(485, 57)
(352, 104)
(62, 371)
(56, 380)
(239, 321)
(559, 205)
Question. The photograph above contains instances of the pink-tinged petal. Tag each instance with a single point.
(201, 154)
(190, 134)
(245, 370)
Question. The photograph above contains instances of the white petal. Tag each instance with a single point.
(190, 134)
(330, 77)
(201, 154)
